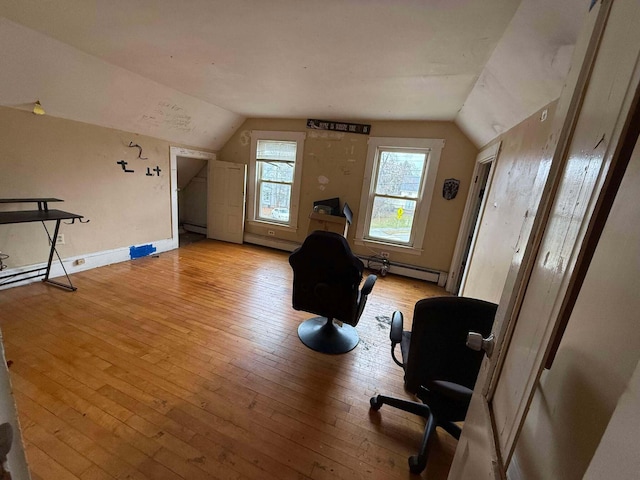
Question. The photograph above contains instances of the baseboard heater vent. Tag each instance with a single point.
(405, 270)
(271, 242)
(410, 271)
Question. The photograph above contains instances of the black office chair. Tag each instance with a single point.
(326, 281)
(440, 369)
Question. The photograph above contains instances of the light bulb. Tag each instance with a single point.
(37, 108)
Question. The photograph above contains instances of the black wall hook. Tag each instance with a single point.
(135, 145)
(73, 220)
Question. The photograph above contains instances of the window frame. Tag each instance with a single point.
(294, 201)
(434, 148)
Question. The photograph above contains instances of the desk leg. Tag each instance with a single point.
(51, 252)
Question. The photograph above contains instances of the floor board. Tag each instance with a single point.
(187, 365)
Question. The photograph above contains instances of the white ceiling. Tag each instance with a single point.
(191, 71)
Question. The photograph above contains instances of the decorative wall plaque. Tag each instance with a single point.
(339, 126)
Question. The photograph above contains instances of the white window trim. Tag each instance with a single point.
(297, 137)
(435, 145)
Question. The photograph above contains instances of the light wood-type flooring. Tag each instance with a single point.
(187, 365)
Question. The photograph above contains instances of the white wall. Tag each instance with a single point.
(618, 455)
(74, 85)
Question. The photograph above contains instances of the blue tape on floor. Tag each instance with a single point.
(141, 251)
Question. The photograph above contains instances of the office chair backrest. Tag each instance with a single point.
(326, 277)
(438, 348)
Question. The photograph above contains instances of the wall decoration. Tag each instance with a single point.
(135, 145)
(450, 188)
(124, 163)
(339, 126)
(124, 166)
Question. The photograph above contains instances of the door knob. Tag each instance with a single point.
(477, 343)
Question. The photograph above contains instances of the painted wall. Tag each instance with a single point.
(192, 199)
(72, 84)
(598, 354)
(617, 455)
(333, 166)
(509, 200)
(43, 156)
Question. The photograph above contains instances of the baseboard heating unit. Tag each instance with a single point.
(405, 270)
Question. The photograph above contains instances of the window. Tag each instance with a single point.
(276, 165)
(396, 194)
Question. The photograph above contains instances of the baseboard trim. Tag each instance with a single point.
(91, 260)
(107, 257)
(272, 242)
(399, 269)
(189, 227)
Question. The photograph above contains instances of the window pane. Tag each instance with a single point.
(274, 201)
(276, 150)
(392, 219)
(400, 173)
(275, 171)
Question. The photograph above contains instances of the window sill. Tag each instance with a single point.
(388, 247)
(274, 225)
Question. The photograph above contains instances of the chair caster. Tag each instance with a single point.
(416, 464)
(376, 404)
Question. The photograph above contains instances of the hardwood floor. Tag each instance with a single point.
(188, 366)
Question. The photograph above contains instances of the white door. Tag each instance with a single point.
(225, 213)
(594, 111)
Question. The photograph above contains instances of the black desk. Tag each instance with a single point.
(43, 214)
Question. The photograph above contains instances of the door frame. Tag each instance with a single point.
(480, 425)
(174, 153)
(566, 121)
(467, 225)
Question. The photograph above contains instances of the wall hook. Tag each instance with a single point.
(135, 145)
(73, 220)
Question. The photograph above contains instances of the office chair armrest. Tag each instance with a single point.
(368, 285)
(396, 335)
(397, 321)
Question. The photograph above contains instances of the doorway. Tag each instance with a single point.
(189, 194)
(471, 218)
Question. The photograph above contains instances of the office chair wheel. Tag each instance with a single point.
(375, 403)
(416, 464)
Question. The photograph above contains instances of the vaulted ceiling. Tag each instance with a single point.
(191, 71)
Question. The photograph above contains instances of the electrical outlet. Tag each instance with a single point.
(384, 254)
(79, 261)
(271, 233)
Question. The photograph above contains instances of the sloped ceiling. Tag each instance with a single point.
(192, 71)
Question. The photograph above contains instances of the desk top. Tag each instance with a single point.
(29, 200)
(36, 216)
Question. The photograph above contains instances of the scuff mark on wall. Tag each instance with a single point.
(245, 138)
(326, 135)
(323, 182)
(170, 115)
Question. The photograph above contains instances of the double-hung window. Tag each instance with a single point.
(396, 193)
(275, 172)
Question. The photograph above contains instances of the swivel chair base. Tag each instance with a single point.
(417, 463)
(322, 335)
